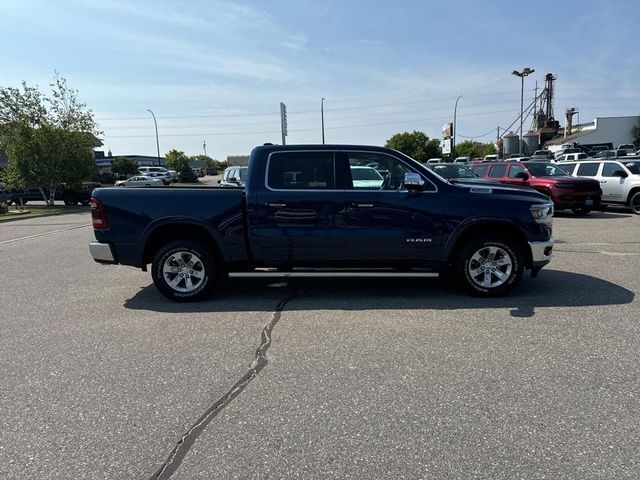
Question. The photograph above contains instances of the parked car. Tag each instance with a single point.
(234, 177)
(435, 160)
(619, 179)
(491, 158)
(366, 177)
(628, 147)
(606, 154)
(571, 157)
(140, 181)
(301, 214)
(462, 160)
(597, 149)
(579, 195)
(157, 172)
(518, 159)
(542, 155)
(456, 173)
(566, 151)
(69, 195)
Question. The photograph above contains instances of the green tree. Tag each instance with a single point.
(490, 149)
(416, 144)
(635, 131)
(176, 159)
(468, 148)
(49, 140)
(187, 175)
(124, 166)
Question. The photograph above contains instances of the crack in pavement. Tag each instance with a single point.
(187, 440)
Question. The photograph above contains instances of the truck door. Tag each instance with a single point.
(613, 186)
(384, 222)
(297, 218)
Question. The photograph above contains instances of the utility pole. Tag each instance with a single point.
(322, 117)
(283, 122)
(535, 108)
(204, 145)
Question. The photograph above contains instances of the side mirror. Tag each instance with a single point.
(219, 181)
(233, 180)
(620, 173)
(413, 182)
(522, 175)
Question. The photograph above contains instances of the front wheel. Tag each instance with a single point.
(634, 203)
(581, 211)
(184, 271)
(489, 266)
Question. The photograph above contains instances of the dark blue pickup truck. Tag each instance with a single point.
(326, 210)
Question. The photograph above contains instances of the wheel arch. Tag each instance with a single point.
(183, 229)
(497, 227)
(632, 192)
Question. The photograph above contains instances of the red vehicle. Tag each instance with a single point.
(578, 194)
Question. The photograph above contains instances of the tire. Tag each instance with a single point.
(179, 281)
(509, 262)
(634, 203)
(70, 199)
(581, 211)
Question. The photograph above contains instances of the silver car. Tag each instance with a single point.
(140, 181)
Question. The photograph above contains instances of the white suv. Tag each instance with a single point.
(619, 179)
(160, 173)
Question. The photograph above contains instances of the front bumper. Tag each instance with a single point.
(541, 253)
(102, 252)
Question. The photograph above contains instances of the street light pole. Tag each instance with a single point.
(157, 141)
(455, 125)
(322, 117)
(524, 73)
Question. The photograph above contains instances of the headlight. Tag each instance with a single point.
(542, 211)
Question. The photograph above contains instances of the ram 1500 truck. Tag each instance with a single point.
(326, 210)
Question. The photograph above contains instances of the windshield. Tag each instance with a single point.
(546, 170)
(634, 167)
(453, 171)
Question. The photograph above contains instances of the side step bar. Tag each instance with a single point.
(325, 273)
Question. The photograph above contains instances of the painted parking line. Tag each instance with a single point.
(44, 233)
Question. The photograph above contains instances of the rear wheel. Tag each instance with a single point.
(184, 271)
(490, 266)
(634, 203)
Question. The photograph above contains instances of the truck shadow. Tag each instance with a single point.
(552, 288)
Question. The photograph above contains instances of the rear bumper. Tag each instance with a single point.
(541, 253)
(102, 252)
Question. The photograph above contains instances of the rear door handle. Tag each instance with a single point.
(279, 205)
(362, 205)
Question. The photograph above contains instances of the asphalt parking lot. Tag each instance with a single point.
(102, 377)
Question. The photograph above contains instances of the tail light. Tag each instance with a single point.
(98, 216)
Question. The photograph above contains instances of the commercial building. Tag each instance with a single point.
(611, 131)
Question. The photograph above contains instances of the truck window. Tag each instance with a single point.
(301, 171)
(480, 170)
(514, 170)
(588, 170)
(497, 171)
(609, 168)
(376, 171)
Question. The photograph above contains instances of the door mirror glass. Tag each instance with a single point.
(522, 175)
(620, 173)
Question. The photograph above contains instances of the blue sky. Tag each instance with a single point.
(216, 71)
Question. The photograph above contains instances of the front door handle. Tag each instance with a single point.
(362, 205)
(603, 181)
(277, 205)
